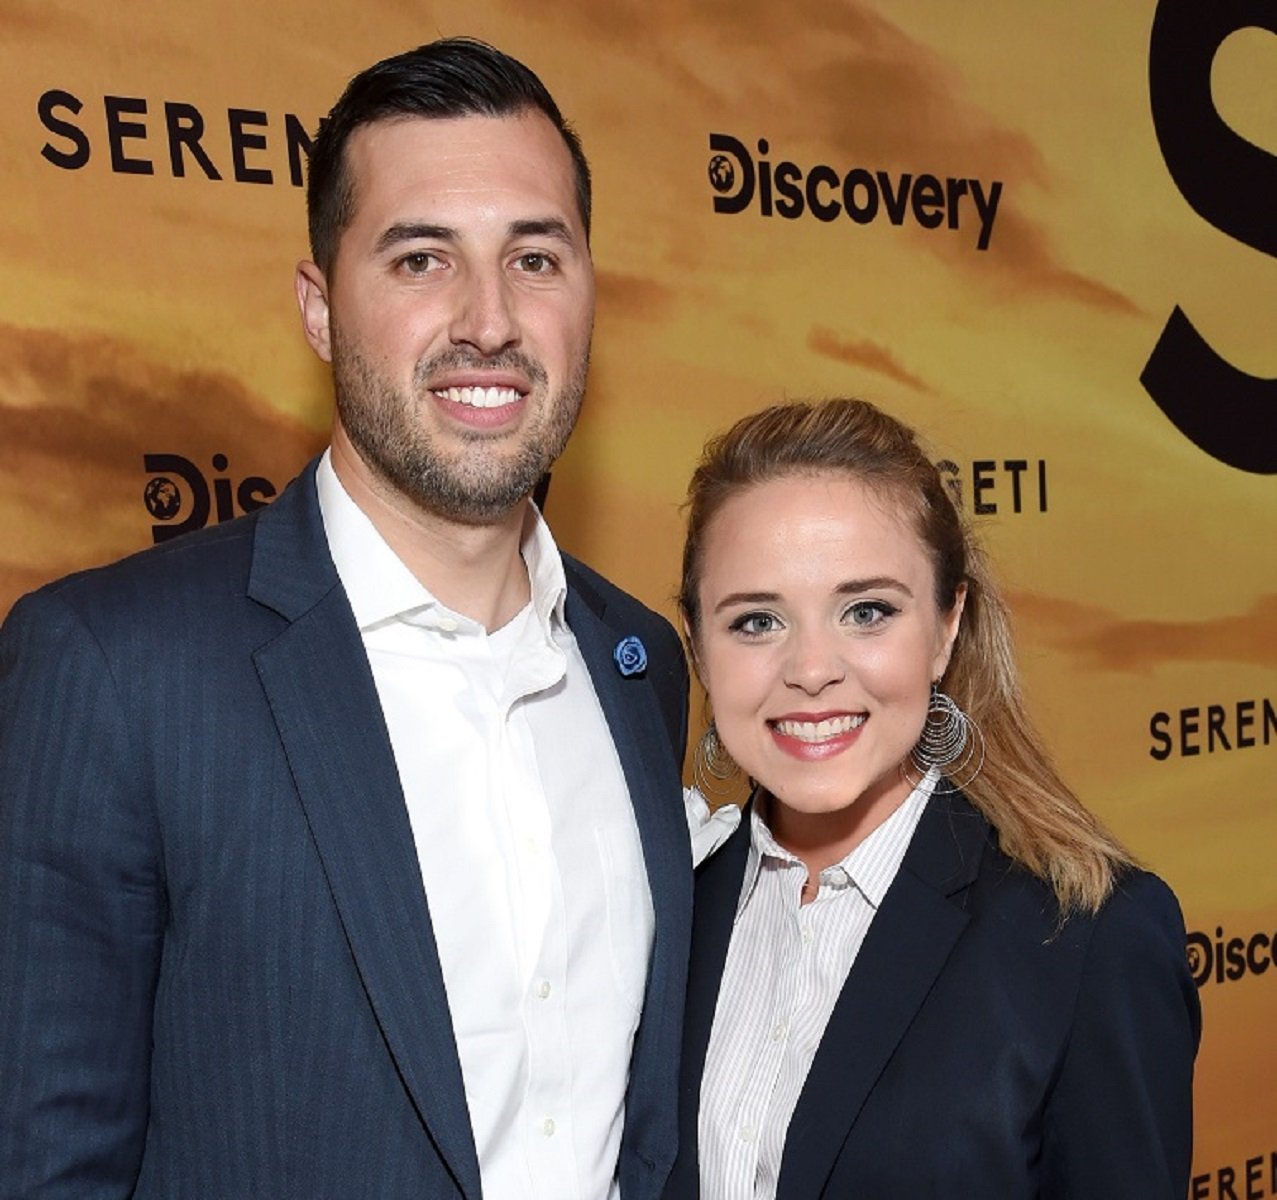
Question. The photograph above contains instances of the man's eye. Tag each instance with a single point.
(418, 262)
(535, 263)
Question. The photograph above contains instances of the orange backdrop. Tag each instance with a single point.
(984, 218)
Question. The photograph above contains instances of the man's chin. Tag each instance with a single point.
(468, 499)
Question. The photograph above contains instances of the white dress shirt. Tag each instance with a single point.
(786, 965)
(529, 853)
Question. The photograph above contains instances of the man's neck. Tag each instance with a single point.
(475, 570)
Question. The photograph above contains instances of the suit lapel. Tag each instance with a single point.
(321, 691)
(647, 760)
(652, 777)
(906, 948)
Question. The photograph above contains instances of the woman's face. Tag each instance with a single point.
(819, 640)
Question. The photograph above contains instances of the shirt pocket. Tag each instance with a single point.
(630, 919)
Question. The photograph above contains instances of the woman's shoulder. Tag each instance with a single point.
(1141, 928)
(1137, 934)
(1139, 901)
(1140, 898)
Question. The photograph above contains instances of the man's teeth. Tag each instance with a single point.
(479, 397)
(820, 731)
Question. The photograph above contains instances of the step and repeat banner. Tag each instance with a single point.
(1044, 234)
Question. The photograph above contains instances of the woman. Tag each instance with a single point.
(920, 967)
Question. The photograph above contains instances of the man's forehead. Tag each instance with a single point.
(396, 164)
(528, 131)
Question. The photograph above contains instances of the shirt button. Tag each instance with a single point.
(746, 1133)
(547, 1127)
(448, 625)
(543, 989)
(778, 1031)
(806, 935)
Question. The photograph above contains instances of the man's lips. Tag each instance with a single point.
(478, 389)
(472, 396)
(491, 401)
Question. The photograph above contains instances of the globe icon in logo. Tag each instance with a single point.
(162, 498)
(722, 175)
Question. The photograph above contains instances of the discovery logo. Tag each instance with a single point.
(789, 190)
(1227, 959)
(177, 486)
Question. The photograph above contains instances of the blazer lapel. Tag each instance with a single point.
(321, 691)
(905, 950)
(718, 885)
(718, 889)
(655, 787)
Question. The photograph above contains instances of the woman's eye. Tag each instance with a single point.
(755, 624)
(865, 613)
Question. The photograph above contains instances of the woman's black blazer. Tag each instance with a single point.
(978, 1050)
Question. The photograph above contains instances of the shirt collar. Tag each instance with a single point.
(545, 571)
(871, 866)
(381, 588)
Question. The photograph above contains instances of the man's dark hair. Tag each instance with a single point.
(452, 77)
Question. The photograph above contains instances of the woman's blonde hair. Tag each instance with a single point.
(1039, 821)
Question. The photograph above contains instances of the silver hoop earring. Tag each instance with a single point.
(712, 766)
(950, 741)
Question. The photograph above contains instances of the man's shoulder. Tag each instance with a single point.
(658, 658)
(216, 559)
(136, 620)
(606, 597)
(213, 563)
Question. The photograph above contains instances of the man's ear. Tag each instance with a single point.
(312, 301)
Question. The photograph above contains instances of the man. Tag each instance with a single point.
(341, 847)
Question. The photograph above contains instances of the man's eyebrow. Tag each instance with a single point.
(409, 231)
(551, 227)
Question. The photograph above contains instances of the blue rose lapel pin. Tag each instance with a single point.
(630, 656)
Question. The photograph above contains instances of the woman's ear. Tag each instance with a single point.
(690, 639)
(951, 622)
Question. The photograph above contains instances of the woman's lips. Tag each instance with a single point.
(815, 735)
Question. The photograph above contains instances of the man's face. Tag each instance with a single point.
(458, 309)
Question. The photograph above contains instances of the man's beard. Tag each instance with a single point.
(475, 488)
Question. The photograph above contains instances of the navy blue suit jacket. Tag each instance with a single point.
(218, 977)
(977, 1051)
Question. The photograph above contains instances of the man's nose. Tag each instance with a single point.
(485, 316)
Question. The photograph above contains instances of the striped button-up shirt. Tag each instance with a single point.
(785, 968)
